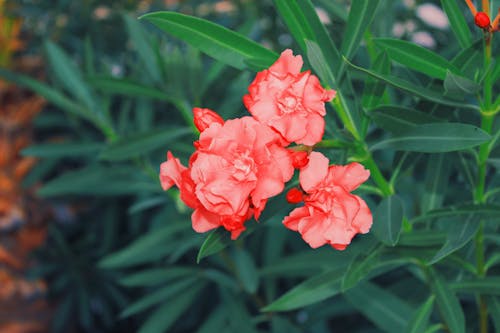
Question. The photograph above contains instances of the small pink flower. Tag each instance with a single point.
(237, 166)
(330, 215)
(203, 118)
(291, 102)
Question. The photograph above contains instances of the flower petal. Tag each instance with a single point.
(314, 172)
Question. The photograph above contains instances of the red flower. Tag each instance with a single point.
(237, 166)
(330, 215)
(290, 102)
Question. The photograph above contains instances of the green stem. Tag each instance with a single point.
(377, 176)
(487, 119)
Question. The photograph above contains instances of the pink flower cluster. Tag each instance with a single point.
(240, 163)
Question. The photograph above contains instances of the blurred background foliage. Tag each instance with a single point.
(120, 254)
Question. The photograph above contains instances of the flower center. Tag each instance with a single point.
(289, 103)
(244, 167)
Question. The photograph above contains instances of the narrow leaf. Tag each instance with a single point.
(436, 138)
(456, 85)
(166, 315)
(360, 17)
(374, 89)
(69, 75)
(50, 94)
(216, 241)
(436, 181)
(160, 295)
(458, 23)
(448, 304)
(313, 290)
(420, 319)
(481, 211)
(398, 120)
(383, 308)
(143, 249)
(489, 285)
(416, 57)
(99, 181)
(143, 47)
(459, 233)
(422, 92)
(59, 150)
(388, 219)
(218, 42)
(156, 276)
(494, 310)
(142, 143)
(246, 270)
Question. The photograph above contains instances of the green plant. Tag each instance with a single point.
(423, 122)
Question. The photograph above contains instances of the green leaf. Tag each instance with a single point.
(160, 295)
(215, 322)
(99, 181)
(166, 315)
(436, 138)
(295, 20)
(128, 88)
(246, 270)
(142, 143)
(156, 276)
(359, 268)
(481, 211)
(384, 309)
(143, 47)
(436, 181)
(489, 285)
(494, 310)
(144, 249)
(216, 41)
(448, 304)
(374, 89)
(60, 150)
(458, 23)
(303, 22)
(422, 92)
(216, 241)
(69, 75)
(335, 9)
(388, 219)
(416, 57)
(398, 119)
(459, 85)
(313, 290)
(318, 62)
(360, 17)
(458, 234)
(420, 319)
(50, 94)
(422, 238)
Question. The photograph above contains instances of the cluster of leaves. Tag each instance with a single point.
(410, 115)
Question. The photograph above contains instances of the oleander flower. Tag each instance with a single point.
(236, 167)
(330, 214)
(290, 102)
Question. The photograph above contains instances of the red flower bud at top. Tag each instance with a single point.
(299, 159)
(203, 118)
(294, 196)
(482, 20)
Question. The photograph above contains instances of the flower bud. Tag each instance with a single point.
(203, 118)
(482, 20)
(294, 196)
(299, 159)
